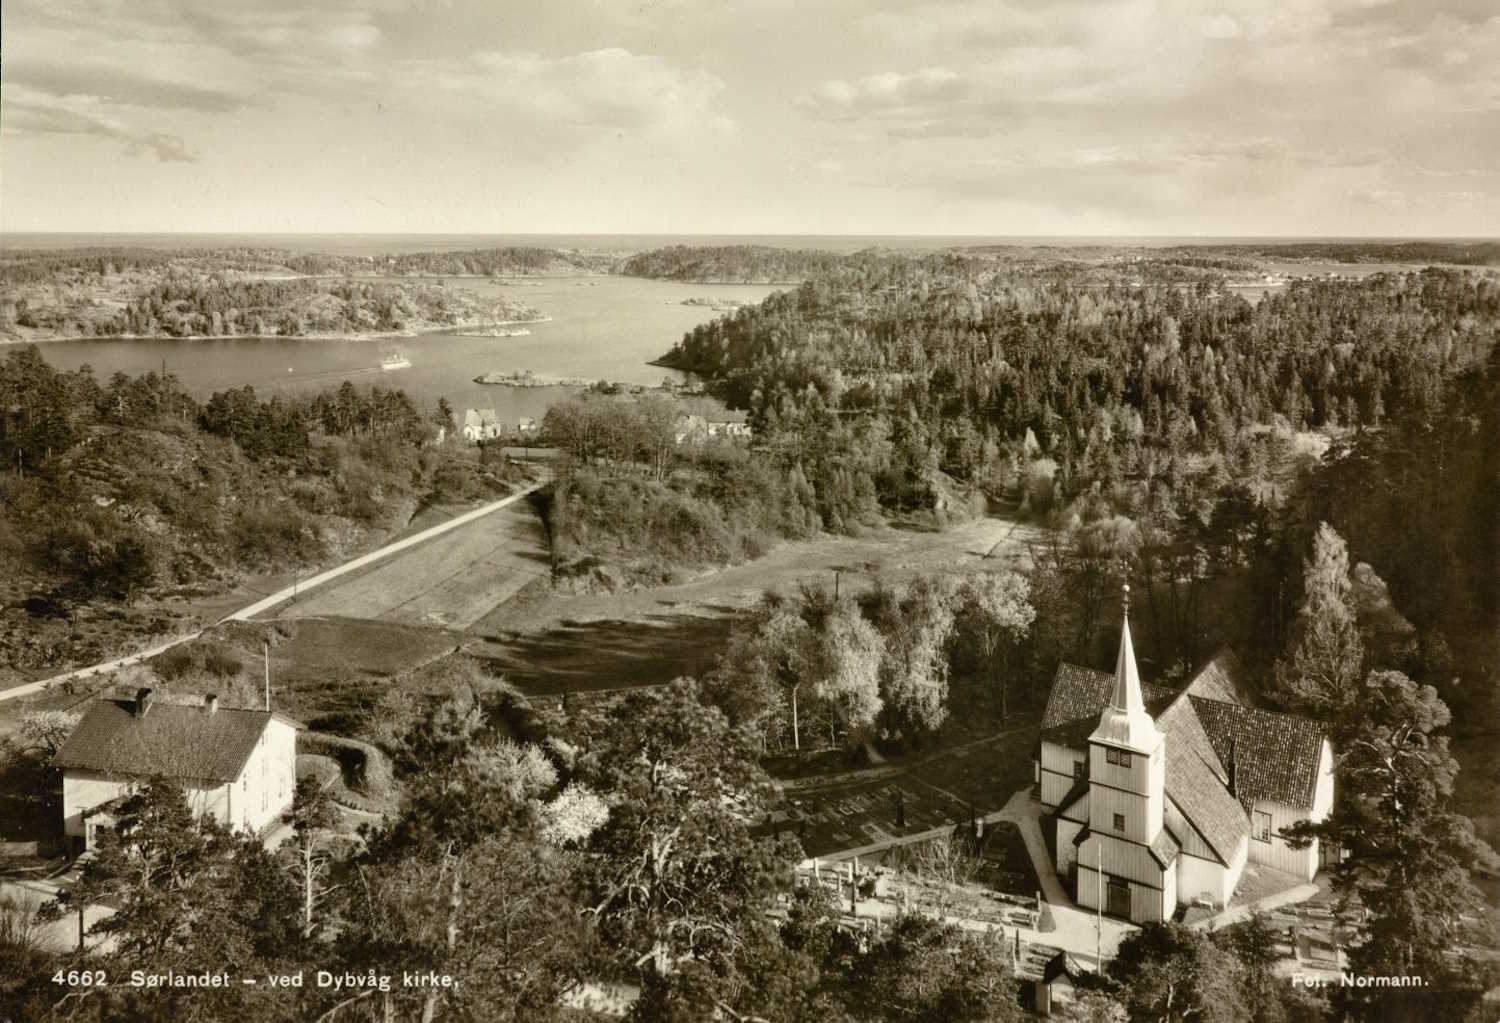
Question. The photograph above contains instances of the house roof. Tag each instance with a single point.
(1276, 755)
(177, 741)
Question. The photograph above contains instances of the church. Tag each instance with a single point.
(1155, 798)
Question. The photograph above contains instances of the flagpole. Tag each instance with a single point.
(1099, 902)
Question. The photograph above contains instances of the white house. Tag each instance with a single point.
(692, 428)
(481, 424)
(1158, 798)
(239, 766)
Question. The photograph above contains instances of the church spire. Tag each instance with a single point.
(1125, 721)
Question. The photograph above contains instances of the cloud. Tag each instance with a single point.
(610, 88)
(27, 118)
(890, 92)
(121, 85)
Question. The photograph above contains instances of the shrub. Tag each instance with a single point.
(174, 663)
(220, 663)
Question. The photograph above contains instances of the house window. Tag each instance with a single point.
(1262, 830)
(1119, 822)
(1116, 756)
(1079, 767)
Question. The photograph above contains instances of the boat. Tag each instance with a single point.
(396, 360)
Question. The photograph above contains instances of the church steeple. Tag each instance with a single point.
(1125, 721)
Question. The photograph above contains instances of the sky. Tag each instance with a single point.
(984, 117)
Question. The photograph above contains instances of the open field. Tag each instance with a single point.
(885, 552)
(485, 585)
(582, 657)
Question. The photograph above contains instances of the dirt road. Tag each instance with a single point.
(451, 581)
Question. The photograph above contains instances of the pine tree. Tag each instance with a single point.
(1321, 673)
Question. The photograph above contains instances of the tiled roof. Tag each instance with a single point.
(1276, 755)
(1079, 789)
(172, 740)
(1220, 679)
(1078, 697)
(1196, 780)
(1164, 848)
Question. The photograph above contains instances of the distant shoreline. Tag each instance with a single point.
(447, 330)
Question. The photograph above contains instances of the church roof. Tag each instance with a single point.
(1124, 720)
(1078, 695)
(1220, 679)
(1276, 755)
(1165, 847)
(1197, 782)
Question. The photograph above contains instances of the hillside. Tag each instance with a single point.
(126, 505)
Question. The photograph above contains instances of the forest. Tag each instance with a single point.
(1180, 428)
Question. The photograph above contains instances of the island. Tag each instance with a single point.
(526, 378)
(191, 294)
(496, 330)
(718, 305)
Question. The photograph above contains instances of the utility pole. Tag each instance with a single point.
(796, 737)
(265, 647)
(835, 585)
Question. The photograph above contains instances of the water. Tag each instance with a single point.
(600, 328)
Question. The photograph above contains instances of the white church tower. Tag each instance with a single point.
(1127, 777)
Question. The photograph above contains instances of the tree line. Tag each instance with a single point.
(819, 670)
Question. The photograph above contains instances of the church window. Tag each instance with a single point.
(1119, 822)
(1116, 756)
(1262, 826)
(1078, 768)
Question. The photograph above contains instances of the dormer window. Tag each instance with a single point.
(1116, 756)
